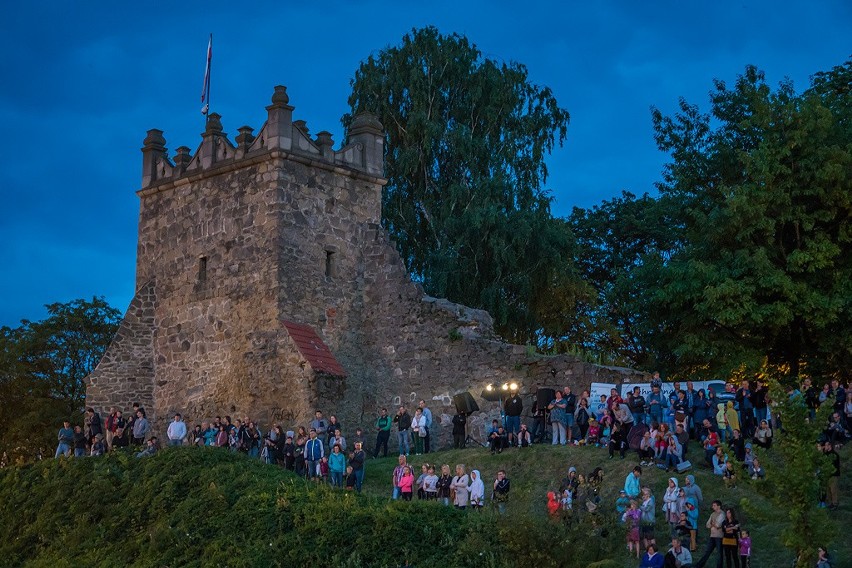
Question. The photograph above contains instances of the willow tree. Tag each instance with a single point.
(466, 142)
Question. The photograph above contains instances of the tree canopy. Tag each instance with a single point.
(43, 365)
(764, 187)
(466, 142)
(742, 263)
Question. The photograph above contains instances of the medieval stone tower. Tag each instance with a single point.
(267, 287)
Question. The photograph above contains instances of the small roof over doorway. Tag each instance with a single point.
(313, 349)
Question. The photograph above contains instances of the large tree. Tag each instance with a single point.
(764, 186)
(42, 368)
(624, 243)
(466, 141)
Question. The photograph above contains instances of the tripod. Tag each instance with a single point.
(472, 440)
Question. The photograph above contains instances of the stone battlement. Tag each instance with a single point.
(280, 133)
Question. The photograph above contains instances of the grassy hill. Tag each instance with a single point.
(207, 507)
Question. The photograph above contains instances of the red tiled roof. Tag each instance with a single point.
(313, 349)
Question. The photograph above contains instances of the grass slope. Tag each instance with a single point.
(535, 471)
(207, 507)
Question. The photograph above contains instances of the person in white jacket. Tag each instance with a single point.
(176, 431)
(670, 502)
(418, 431)
(477, 490)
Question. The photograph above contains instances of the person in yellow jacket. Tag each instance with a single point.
(732, 418)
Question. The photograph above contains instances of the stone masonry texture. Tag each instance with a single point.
(241, 236)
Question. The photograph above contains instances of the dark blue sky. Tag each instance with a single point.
(83, 81)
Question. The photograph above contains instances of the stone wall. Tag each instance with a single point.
(241, 236)
(125, 374)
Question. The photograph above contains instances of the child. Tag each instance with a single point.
(552, 503)
(745, 549)
(692, 518)
(421, 490)
(500, 494)
(594, 433)
(621, 504)
(682, 528)
(323, 469)
(631, 518)
(351, 479)
(477, 490)
(289, 452)
(406, 484)
(430, 484)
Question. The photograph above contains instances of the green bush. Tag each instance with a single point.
(200, 506)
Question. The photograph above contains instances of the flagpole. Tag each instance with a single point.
(209, 71)
(205, 88)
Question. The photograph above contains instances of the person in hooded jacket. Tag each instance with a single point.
(477, 490)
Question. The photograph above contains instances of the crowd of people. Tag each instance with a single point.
(663, 431)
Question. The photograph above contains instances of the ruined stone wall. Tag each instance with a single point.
(125, 374)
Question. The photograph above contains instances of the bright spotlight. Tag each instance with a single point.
(489, 388)
(513, 386)
(505, 386)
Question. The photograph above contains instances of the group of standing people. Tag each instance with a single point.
(462, 490)
(681, 505)
(96, 437)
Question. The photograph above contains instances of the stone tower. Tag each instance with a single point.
(267, 287)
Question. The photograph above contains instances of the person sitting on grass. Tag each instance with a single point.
(730, 475)
(593, 435)
(756, 471)
(150, 449)
(646, 449)
(678, 556)
(651, 559)
(719, 461)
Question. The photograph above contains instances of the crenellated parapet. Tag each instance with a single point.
(279, 134)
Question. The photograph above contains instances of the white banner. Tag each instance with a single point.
(599, 389)
(668, 388)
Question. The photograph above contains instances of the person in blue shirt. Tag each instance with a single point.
(66, 439)
(651, 558)
(656, 405)
(631, 483)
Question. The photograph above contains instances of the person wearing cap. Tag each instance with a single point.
(621, 504)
